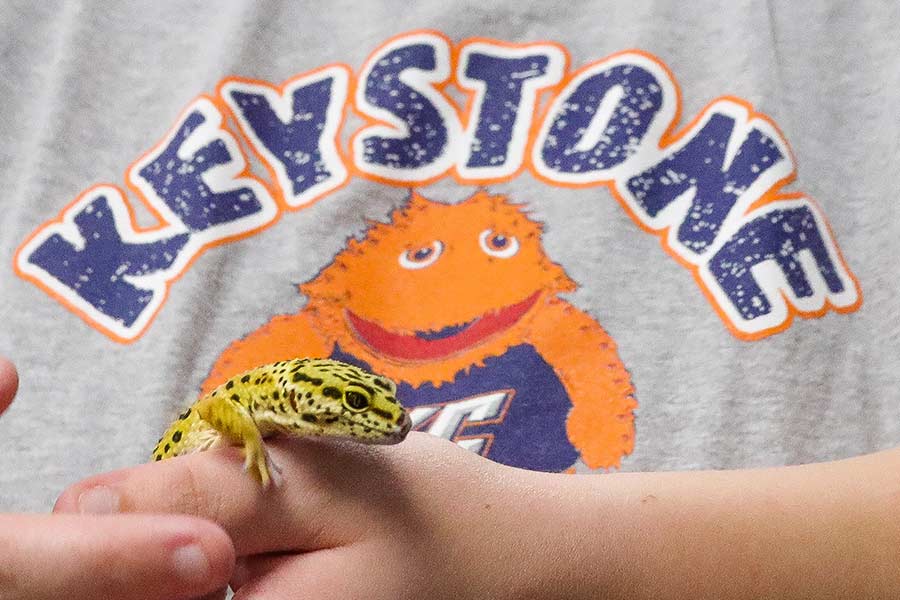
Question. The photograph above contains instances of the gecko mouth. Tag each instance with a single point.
(387, 436)
(435, 344)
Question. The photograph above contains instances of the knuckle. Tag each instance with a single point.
(195, 491)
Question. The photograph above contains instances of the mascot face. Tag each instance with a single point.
(438, 281)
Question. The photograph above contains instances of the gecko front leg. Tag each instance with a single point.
(233, 420)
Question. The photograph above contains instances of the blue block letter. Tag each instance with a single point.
(396, 87)
(710, 182)
(295, 131)
(784, 252)
(93, 260)
(600, 120)
(506, 81)
(193, 178)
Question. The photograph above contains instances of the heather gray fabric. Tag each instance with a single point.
(88, 87)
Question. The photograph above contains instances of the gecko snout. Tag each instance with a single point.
(405, 424)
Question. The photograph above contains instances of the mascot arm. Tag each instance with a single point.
(601, 423)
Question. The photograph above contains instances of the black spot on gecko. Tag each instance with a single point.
(230, 384)
(304, 377)
(235, 397)
(391, 399)
(309, 418)
(159, 457)
(331, 419)
(383, 384)
(166, 448)
(382, 413)
(176, 437)
(184, 415)
(310, 401)
(331, 392)
(293, 401)
(245, 379)
(275, 395)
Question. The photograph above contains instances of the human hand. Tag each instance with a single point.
(423, 519)
(82, 557)
(9, 383)
(427, 519)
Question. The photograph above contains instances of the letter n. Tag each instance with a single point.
(720, 167)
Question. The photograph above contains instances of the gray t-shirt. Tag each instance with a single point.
(592, 236)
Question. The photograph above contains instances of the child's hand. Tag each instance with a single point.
(427, 519)
(83, 557)
(423, 519)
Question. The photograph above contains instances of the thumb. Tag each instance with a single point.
(126, 557)
(9, 383)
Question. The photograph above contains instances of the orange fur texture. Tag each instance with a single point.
(372, 285)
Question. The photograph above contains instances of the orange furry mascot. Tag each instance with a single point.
(479, 267)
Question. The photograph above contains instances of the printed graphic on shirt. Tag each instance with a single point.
(459, 304)
(713, 191)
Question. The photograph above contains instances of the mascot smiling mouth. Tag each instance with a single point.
(431, 345)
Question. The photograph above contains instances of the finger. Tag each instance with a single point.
(328, 489)
(247, 569)
(217, 595)
(211, 485)
(140, 557)
(354, 572)
(9, 383)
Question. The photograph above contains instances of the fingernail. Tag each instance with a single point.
(190, 563)
(99, 500)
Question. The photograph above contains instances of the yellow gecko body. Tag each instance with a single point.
(300, 397)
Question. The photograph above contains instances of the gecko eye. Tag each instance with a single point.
(356, 401)
(419, 258)
(497, 244)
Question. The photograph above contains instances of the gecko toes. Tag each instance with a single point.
(274, 471)
(258, 464)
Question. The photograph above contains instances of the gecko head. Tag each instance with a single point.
(375, 418)
(359, 405)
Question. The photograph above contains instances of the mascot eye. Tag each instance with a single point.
(356, 400)
(497, 244)
(419, 258)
